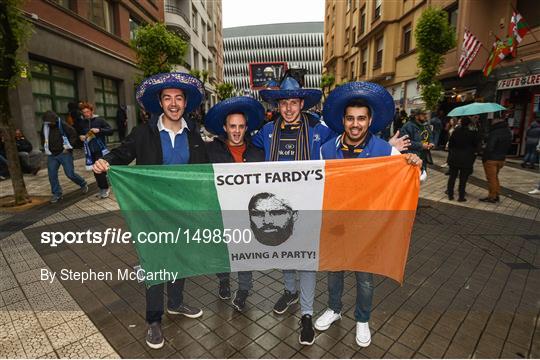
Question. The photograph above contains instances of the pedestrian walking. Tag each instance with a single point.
(462, 148)
(532, 137)
(57, 139)
(93, 132)
(498, 143)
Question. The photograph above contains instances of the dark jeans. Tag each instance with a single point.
(463, 174)
(101, 179)
(245, 281)
(53, 164)
(364, 293)
(154, 299)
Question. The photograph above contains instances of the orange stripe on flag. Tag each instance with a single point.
(369, 208)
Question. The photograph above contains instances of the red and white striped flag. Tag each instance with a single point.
(470, 48)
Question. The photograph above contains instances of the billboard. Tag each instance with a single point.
(266, 74)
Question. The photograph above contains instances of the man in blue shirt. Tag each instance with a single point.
(167, 140)
(356, 111)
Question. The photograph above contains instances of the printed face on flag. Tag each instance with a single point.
(272, 219)
(281, 210)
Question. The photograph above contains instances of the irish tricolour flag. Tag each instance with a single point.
(310, 215)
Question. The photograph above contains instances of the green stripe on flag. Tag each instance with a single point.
(180, 204)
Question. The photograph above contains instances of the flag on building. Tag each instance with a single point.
(517, 29)
(331, 215)
(499, 50)
(469, 50)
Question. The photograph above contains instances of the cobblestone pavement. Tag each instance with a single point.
(472, 289)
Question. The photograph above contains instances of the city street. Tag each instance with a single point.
(472, 287)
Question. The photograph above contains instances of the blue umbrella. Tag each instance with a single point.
(476, 108)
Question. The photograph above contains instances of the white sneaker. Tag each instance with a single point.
(363, 335)
(534, 192)
(326, 319)
(103, 193)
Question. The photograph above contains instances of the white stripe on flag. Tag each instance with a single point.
(469, 50)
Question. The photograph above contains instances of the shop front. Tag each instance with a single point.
(521, 96)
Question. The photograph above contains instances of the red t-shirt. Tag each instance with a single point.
(237, 152)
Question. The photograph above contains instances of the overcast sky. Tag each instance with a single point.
(257, 12)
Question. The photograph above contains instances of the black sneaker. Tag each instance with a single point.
(154, 336)
(285, 301)
(489, 200)
(307, 334)
(186, 310)
(224, 290)
(239, 301)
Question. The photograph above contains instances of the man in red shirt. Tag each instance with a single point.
(232, 120)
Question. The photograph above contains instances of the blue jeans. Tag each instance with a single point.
(53, 164)
(245, 279)
(364, 293)
(531, 156)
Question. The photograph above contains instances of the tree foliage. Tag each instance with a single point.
(14, 33)
(157, 49)
(225, 91)
(327, 80)
(434, 37)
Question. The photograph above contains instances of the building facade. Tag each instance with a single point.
(297, 44)
(80, 50)
(374, 41)
(199, 23)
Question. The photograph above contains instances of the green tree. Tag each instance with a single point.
(225, 91)
(157, 49)
(327, 81)
(434, 37)
(14, 32)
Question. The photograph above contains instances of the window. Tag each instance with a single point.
(349, 5)
(379, 53)
(134, 25)
(352, 71)
(63, 3)
(101, 13)
(407, 30)
(363, 70)
(347, 37)
(354, 34)
(194, 22)
(453, 15)
(377, 11)
(363, 19)
(53, 87)
(106, 92)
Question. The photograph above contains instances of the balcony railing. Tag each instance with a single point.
(173, 9)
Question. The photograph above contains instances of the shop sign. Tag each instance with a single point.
(522, 81)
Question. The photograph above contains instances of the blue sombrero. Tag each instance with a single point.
(290, 89)
(147, 93)
(252, 109)
(379, 100)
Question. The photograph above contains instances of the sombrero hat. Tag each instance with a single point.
(378, 99)
(290, 89)
(251, 108)
(147, 93)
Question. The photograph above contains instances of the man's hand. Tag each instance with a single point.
(414, 160)
(94, 130)
(82, 137)
(100, 166)
(400, 143)
(426, 146)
